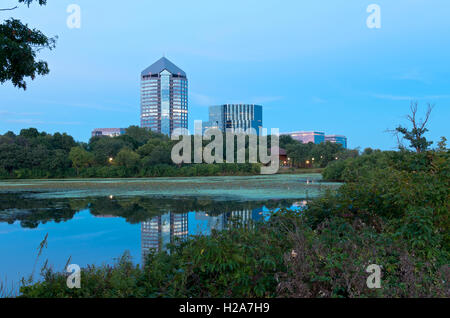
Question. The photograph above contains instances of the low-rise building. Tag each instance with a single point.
(305, 137)
(338, 139)
(109, 132)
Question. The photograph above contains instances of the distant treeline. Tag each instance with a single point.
(137, 153)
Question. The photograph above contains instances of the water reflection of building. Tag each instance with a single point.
(202, 223)
(150, 236)
(161, 230)
(235, 218)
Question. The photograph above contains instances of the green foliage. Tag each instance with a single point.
(442, 145)
(34, 154)
(416, 134)
(127, 158)
(284, 257)
(28, 2)
(318, 155)
(80, 158)
(19, 46)
(329, 260)
(137, 153)
(409, 191)
(104, 148)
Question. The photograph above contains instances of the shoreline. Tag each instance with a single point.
(283, 171)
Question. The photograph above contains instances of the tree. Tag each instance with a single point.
(19, 46)
(442, 145)
(104, 148)
(80, 158)
(127, 158)
(139, 136)
(286, 140)
(160, 154)
(29, 133)
(326, 152)
(416, 135)
(9, 153)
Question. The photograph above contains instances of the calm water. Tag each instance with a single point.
(95, 221)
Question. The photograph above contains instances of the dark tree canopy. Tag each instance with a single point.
(19, 45)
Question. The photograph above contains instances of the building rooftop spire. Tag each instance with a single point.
(161, 65)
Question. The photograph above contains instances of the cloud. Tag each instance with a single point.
(318, 100)
(410, 98)
(201, 99)
(9, 113)
(413, 75)
(29, 121)
(121, 107)
(89, 106)
(11, 117)
(261, 100)
(205, 100)
(265, 99)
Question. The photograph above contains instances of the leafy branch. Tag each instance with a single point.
(19, 46)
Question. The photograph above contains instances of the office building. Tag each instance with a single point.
(305, 137)
(109, 132)
(338, 139)
(235, 116)
(164, 97)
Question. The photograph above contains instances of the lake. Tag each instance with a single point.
(95, 221)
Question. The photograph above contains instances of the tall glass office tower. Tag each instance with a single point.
(164, 97)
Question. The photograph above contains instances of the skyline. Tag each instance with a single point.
(313, 67)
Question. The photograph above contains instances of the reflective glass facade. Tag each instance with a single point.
(305, 137)
(161, 230)
(339, 139)
(235, 116)
(164, 97)
(110, 132)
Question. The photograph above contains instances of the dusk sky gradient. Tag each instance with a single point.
(313, 65)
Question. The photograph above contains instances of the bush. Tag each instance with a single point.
(285, 257)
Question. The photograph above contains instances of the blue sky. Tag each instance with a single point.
(312, 64)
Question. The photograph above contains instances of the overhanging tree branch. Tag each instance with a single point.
(19, 45)
(9, 9)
